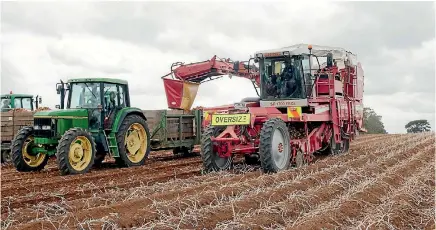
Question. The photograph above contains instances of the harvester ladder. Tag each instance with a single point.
(112, 143)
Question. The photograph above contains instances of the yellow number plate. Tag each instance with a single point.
(231, 119)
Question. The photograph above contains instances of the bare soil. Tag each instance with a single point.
(383, 182)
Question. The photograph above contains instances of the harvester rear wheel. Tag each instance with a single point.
(275, 147)
(76, 152)
(133, 139)
(24, 160)
(211, 160)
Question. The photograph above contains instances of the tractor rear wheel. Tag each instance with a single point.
(133, 139)
(76, 152)
(22, 156)
(211, 159)
(275, 146)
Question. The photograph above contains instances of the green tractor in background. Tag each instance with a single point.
(98, 120)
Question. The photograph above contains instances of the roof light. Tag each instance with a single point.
(10, 92)
(309, 47)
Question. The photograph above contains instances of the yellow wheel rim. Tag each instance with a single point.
(80, 153)
(135, 142)
(31, 160)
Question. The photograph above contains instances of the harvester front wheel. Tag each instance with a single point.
(275, 146)
(22, 156)
(133, 139)
(76, 152)
(211, 159)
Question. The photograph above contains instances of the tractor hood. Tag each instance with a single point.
(65, 113)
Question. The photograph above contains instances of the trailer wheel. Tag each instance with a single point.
(76, 152)
(6, 156)
(23, 160)
(211, 160)
(133, 139)
(274, 148)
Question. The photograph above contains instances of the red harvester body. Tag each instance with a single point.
(301, 111)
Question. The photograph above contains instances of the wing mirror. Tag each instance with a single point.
(57, 106)
(58, 89)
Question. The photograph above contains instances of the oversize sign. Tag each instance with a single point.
(231, 119)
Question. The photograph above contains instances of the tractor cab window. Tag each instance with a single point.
(282, 78)
(27, 103)
(85, 95)
(122, 95)
(111, 96)
(6, 104)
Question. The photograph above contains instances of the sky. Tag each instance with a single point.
(45, 42)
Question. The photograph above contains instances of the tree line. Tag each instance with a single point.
(374, 125)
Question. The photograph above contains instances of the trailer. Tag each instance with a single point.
(174, 129)
(11, 122)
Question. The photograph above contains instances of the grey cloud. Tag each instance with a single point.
(66, 59)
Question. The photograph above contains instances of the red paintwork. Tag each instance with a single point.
(335, 105)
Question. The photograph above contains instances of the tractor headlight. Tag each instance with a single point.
(36, 127)
(46, 127)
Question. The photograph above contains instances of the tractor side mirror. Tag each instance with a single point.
(39, 100)
(236, 66)
(58, 89)
(57, 106)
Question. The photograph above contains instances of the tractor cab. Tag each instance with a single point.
(17, 101)
(101, 97)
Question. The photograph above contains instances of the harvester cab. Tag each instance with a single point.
(19, 101)
(97, 120)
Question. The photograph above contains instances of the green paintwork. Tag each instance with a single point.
(45, 141)
(104, 80)
(76, 113)
(121, 114)
(12, 97)
(16, 95)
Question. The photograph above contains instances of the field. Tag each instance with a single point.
(384, 182)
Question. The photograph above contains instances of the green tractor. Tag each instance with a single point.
(97, 120)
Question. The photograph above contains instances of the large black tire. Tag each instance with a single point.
(18, 156)
(123, 160)
(64, 148)
(211, 160)
(267, 148)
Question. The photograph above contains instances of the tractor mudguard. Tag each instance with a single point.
(122, 114)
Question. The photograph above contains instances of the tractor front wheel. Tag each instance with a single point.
(22, 156)
(76, 152)
(211, 159)
(133, 139)
(275, 146)
(6, 156)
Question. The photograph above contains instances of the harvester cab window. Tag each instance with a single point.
(285, 79)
